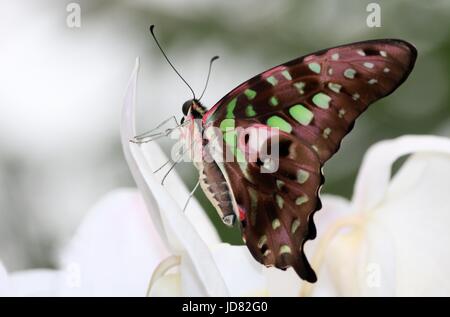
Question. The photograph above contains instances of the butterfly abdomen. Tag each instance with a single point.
(216, 189)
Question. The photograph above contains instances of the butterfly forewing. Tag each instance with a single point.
(331, 87)
(313, 101)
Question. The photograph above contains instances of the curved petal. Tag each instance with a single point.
(241, 273)
(332, 219)
(375, 172)
(176, 190)
(167, 286)
(127, 132)
(416, 214)
(115, 250)
(179, 233)
(38, 282)
(399, 246)
(4, 281)
(287, 283)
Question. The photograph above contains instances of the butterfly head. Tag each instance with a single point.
(193, 109)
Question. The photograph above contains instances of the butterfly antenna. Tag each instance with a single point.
(209, 73)
(167, 59)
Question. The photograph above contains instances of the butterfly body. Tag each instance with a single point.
(211, 178)
(304, 107)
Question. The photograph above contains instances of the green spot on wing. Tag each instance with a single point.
(315, 67)
(273, 101)
(280, 184)
(253, 198)
(302, 114)
(251, 94)
(299, 86)
(335, 87)
(262, 241)
(302, 176)
(276, 222)
(301, 200)
(349, 73)
(227, 124)
(285, 249)
(280, 201)
(272, 80)
(230, 108)
(326, 133)
(249, 111)
(280, 123)
(295, 226)
(321, 100)
(230, 138)
(286, 74)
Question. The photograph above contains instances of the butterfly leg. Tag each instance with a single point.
(145, 134)
(167, 162)
(147, 137)
(190, 195)
(173, 166)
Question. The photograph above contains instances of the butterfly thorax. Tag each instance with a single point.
(194, 108)
(212, 180)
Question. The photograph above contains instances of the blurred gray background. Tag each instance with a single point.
(61, 92)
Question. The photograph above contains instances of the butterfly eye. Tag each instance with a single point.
(186, 107)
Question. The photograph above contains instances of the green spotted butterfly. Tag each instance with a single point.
(313, 102)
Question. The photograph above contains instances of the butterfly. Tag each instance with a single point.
(312, 102)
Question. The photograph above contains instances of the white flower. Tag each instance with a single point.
(392, 238)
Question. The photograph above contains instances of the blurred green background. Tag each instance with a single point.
(63, 91)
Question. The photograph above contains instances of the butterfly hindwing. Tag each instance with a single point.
(275, 208)
(313, 101)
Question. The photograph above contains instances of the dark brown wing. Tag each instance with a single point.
(313, 101)
(333, 87)
(276, 209)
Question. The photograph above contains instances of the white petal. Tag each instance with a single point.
(399, 247)
(330, 218)
(127, 132)
(282, 283)
(167, 286)
(4, 281)
(176, 189)
(39, 282)
(179, 232)
(287, 283)
(416, 214)
(242, 274)
(374, 175)
(115, 250)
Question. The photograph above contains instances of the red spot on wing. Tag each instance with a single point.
(242, 214)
